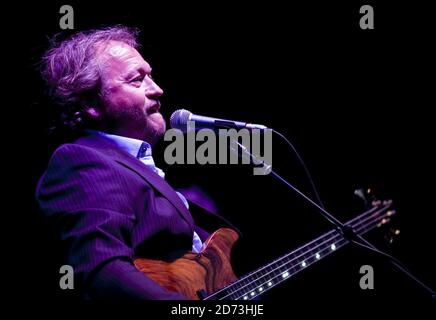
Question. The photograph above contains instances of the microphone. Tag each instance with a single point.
(179, 120)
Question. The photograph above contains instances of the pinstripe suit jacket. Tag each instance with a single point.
(109, 208)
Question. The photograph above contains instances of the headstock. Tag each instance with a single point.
(387, 224)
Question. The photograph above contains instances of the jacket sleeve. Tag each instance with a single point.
(87, 201)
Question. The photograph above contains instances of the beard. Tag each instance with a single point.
(155, 127)
(134, 123)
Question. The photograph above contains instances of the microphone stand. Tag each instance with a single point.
(346, 231)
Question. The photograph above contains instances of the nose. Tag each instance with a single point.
(153, 91)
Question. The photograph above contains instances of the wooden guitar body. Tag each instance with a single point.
(207, 271)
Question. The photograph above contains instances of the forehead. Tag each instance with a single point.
(118, 57)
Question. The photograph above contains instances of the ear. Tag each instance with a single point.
(90, 106)
(92, 113)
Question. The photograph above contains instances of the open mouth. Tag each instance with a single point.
(154, 108)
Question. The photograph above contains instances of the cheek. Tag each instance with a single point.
(136, 97)
(122, 99)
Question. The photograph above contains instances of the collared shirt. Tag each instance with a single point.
(142, 151)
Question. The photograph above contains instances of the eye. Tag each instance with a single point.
(138, 79)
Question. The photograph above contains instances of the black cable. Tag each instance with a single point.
(318, 198)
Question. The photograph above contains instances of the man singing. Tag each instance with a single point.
(102, 193)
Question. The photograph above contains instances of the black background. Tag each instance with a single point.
(356, 104)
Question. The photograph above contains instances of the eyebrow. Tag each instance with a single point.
(141, 70)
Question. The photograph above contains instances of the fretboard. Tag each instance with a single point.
(263, 279)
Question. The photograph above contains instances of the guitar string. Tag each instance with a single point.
(320, 238)
(368, 213)
(341, 242)
(359, 225)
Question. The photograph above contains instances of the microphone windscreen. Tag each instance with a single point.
(179, 119)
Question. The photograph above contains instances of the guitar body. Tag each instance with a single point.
(209, 270)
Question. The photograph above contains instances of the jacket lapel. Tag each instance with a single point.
(127, 160)
(159, 184)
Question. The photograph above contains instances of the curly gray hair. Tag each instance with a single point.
(71, 70)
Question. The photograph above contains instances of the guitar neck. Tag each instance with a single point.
(261, 280)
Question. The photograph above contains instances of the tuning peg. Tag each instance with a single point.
(383, 222)
(391, 212)
(360, 193)
(392, 234)
(388, 203)
(366, 196)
